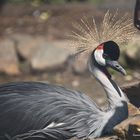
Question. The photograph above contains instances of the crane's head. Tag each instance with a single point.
(107, 55)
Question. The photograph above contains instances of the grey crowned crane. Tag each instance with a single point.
(41, 111)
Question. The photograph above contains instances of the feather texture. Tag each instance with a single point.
(33, 106)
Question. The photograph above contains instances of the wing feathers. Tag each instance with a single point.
(33, 106)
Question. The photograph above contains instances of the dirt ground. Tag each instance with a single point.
(53, 21)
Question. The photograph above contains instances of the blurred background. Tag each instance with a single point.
(34, 43)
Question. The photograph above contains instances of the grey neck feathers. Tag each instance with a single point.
(114, 93)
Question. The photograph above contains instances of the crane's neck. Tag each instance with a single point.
(114, 93)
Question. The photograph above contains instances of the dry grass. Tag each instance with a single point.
(87, 35)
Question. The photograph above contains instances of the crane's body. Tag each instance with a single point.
(30, 106)
(34, 110)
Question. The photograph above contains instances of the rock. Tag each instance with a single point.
(42, 54)
(132, 52)
(8, 58)
(79, 65)
(134, 130)
(132, 91)
(102, 138)
(136, 75)
(49, 56)
(26, 45)
(133, 110)
(107, 138)
(128, 129)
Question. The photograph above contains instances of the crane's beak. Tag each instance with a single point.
(116, 66)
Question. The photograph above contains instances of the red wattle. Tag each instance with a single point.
(100, 47)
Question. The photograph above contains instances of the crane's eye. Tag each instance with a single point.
(106, 57)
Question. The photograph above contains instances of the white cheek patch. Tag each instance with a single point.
(99, 57)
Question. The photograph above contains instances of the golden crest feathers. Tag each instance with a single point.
(88, 35)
